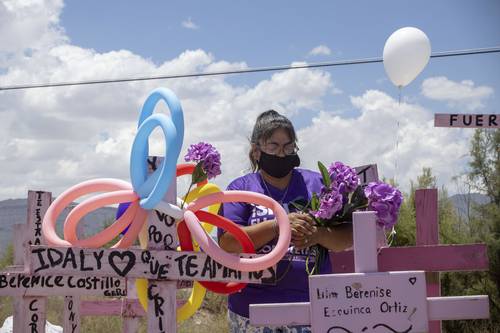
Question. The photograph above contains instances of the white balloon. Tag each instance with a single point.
(406, 53)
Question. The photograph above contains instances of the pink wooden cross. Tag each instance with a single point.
(30, 292)
(160, 263)
(428, 255)
(365, 260)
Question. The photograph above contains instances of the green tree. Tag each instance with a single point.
(447, 217)
(484, 172)
(8, 257)
(483, 227)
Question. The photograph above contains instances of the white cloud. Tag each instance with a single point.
(189, 24)
(27, 27)
(320, 50)
(54, 138)
(371, 138)
(463, 93)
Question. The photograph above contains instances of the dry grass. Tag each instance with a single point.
(211, 317)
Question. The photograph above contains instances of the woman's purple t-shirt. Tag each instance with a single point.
(291, 273)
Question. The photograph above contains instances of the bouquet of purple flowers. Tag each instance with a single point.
(342, 195)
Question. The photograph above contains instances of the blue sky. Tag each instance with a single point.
(350, 110)
(269, 33)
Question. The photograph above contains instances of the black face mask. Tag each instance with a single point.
(276, 166)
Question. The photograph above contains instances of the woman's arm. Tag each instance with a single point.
(260, 234)
(263, 232)
(336, 239)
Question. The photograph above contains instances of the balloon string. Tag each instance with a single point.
(397, 138)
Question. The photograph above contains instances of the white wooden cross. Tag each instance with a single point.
(340, 302)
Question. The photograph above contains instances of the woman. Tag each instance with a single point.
(274, 159)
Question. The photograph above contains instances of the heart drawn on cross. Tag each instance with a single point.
(125, 262)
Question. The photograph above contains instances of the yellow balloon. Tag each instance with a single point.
(198, 292)
(143, 236)
(202, 191)
(141, 285)
(193, 303)
(184, 311)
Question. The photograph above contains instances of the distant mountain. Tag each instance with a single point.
(464, 202)
(14, 211)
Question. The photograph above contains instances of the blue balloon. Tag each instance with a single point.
(139, 155)
(152, 189)
(173, 104)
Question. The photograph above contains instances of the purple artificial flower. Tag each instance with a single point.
(208, 154)
(385, 200)
(345, 176)
(330, 202)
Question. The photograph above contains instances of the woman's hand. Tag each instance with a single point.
(304, 232)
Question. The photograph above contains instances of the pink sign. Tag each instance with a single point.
(368, 302)
(467, 120)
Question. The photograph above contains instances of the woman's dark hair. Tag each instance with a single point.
(265, 125)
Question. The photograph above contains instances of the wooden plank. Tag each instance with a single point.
(426, 210)
(367, 173)
(31, 310)
(20, 244)
(162, 306)
(130, 320)
(29, 314)
(35, 314)
(115, 307)
(72, 314)
(365, 242)
(19, 316)
(458, 307)
(439, 308)
(446, 258)
(131, 325)
(19, 284)
(137, 263)
(280, 314)
(467, 120)
(359, 301)
(38, 203)
(20, 253)
(162, 303)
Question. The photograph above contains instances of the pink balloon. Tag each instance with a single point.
(133, 231)
(85, 207)
(120, 190)
(210, 247)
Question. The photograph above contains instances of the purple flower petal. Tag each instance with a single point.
(208, 154)
(345, 176)
(385, 200)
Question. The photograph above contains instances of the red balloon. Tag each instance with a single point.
(186, 244)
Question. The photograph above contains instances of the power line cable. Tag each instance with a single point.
(455, 53)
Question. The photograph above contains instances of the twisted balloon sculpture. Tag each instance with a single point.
(147, 191)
